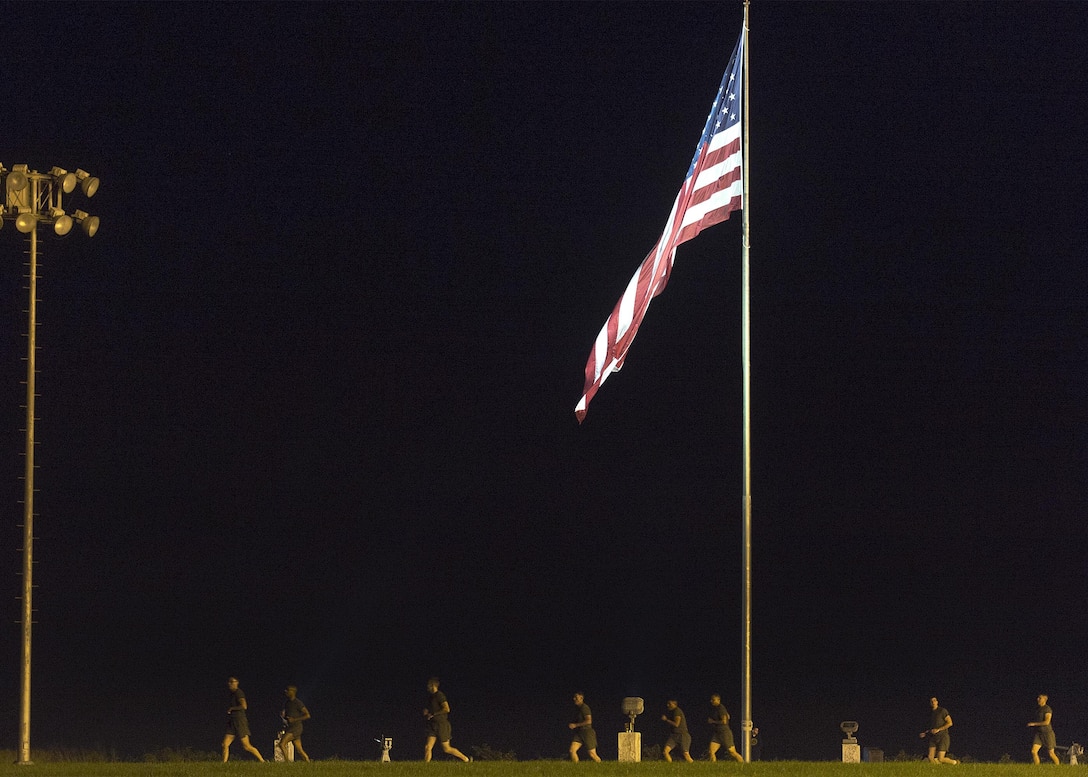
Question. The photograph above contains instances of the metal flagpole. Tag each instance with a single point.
(746, 609)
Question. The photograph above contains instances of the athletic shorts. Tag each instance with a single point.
(1044, 735)
(439, 728)
(681, 742)
(238, 725)
(723, 736)
(587, 736)
(940, 741)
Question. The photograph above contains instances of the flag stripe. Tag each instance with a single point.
(711, 191)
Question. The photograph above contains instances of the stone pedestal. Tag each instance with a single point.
(630, 746)
(851, 753)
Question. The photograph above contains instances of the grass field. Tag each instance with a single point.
(246, 768)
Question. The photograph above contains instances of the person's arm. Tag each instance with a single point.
(939, 729)
(1044, 722)
(446, 707)
(583, 724)
(304, 716)
(241, 705)
(674, 722)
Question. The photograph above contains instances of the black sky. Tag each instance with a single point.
(306, 406)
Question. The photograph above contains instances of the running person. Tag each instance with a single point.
(438, 724)
(720, 735)
(1044, 732)
(939, 723)
(679, 736)
(583, 729)
(237, 724)
(294, 712)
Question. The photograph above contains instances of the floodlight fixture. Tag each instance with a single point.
(16, 180)
(26, 222)
(68, 181)
(849, 728)
(62, 222)
(88, 222)
(87, 181)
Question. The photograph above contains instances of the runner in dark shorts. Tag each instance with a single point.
(438, 725)
(1044, 732)
(237, 723)
(679, 736)
(939, 740)
(294, 712)
(583, 729)
(720, 734)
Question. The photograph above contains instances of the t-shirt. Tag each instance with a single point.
(938, 718)
(677, 717)
(719, 714)
(237, 696)
(293, 708)
(437, 704)
(582, 713)
(1040, 716)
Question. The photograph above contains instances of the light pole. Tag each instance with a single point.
(33, 198)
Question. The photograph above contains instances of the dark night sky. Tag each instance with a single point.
(306, 406)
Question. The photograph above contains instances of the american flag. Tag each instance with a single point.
(711, 191)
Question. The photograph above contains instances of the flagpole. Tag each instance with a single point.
(746, 609)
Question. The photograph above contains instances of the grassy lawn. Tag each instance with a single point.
(245, 768)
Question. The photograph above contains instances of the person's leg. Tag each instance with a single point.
(666, 752)
(282, 744)
(594, 756)
(945, 760)
(448, 748)
(932, 757)
(574, 751)
(1054, 757)
(298, 748)
(427, 748)
(1035, 753)
(226, 746)
(736, 756)
(714, 751)
(251, 749)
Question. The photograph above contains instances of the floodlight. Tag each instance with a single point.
(87, 221)
(26, 222)
(68, 181)
(849, 727)
(88, 182)
(16, 181)
(63, 225)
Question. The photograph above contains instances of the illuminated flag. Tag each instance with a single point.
(711, 191)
